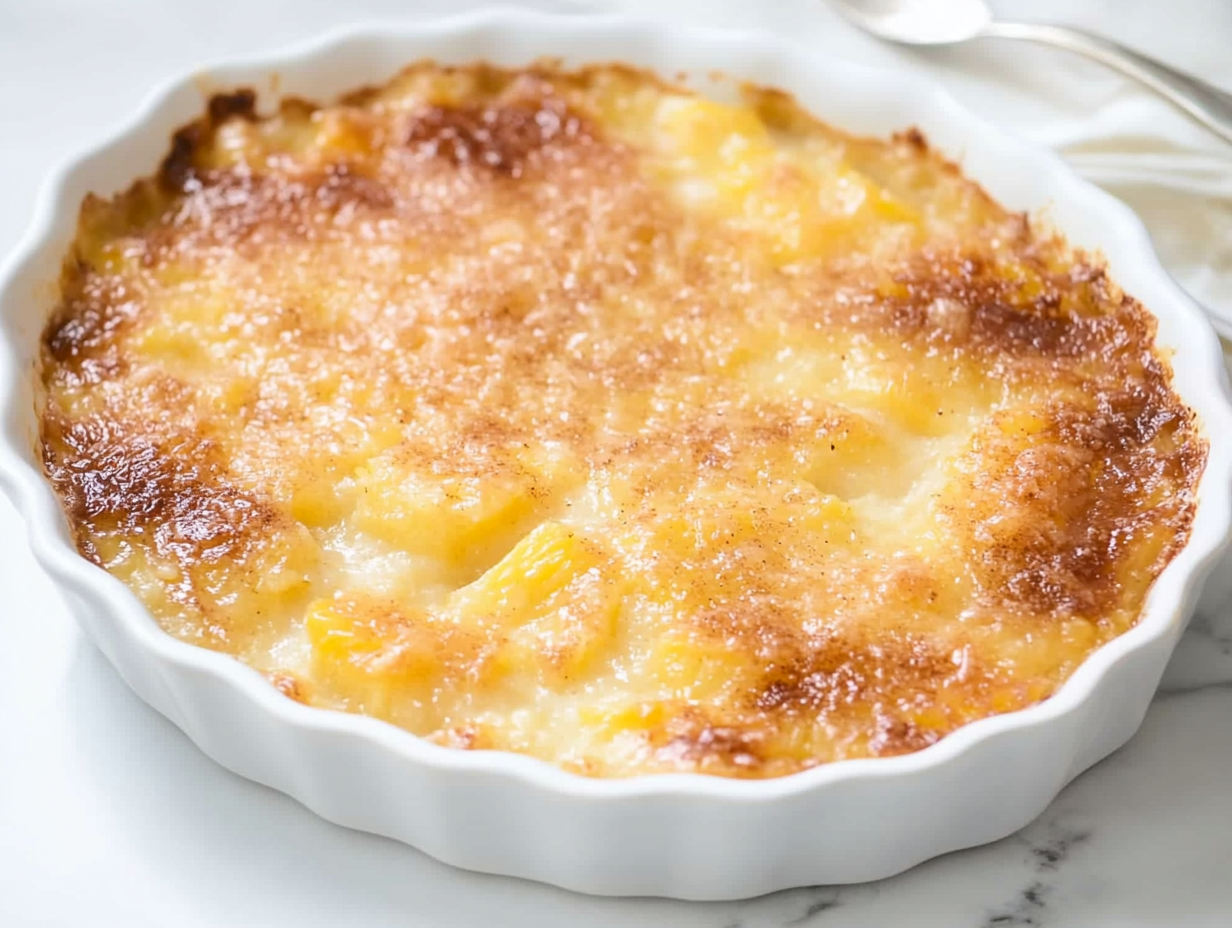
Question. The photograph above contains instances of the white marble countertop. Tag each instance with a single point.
(110, 817)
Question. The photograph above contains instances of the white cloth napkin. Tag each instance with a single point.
(1174, 174)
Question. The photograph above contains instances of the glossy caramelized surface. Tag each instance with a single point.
(575, 414)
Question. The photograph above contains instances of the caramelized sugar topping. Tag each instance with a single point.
(572, 413)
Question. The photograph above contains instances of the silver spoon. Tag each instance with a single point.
(947, 22)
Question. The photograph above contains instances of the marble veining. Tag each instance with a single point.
(824, 900)
(1047, 853)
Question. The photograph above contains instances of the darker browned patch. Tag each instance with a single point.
(86, 324)
(830, 671)
(290, 685)
(973, 300)
(691, 738)
(1127, 414)
(501, 137)
(754, 625)
(231, 208)
(115, 476)
(241, 102)
(913, 138)
(893, 736)
(1047, 522)
(179, 166)
(1005, 325)
(296, 108)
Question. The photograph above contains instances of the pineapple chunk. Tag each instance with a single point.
(463, 512)
(639, 717)
(620, 103)
(800, 203)
(808, 208)
(342, 135)
(925, 396)
(552, 599)
(371, 651)
(1021, 421)
(908, 397)
(528, 578)
(695, 666)
(186, 335)
(727, 144)
(826, 515)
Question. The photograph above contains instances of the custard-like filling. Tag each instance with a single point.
(575, 414)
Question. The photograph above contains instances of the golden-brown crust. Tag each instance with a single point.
(138, 480)
(179, 165)
(113, 474)
(831, 486)
(913, 137)
(503, 139)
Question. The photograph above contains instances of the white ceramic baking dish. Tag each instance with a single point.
(674, 835)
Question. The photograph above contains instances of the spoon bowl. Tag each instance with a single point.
(919, 22)
(947, 22)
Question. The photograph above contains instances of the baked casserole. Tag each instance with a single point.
(577, 414)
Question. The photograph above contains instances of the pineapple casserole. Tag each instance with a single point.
(577, 414)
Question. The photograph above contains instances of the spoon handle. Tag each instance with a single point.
(1203, 102)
